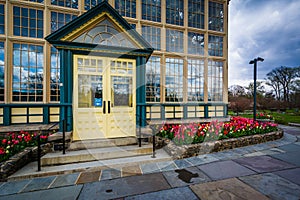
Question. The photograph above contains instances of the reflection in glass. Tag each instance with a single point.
(215, 80)
(54, 75)
(195, 80)
(174, 80)
(153, 79)
(28, 73)
(90, 89)
(195, 43)
(215, 45)
(121, 91)
(152, 35)
(196, 13)
(126, 8)
(151, 10)
(216, 16)
(28, 22)
(174, 41)
(2, 73)
(2, 18)
(174, 12)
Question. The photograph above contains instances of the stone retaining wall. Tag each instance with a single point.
(185, 151)
(16, 162)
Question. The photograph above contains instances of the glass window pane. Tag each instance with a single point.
(174, 80)
(151, 10)
(152, 35)
(174, 41)
(153, 79)
(28, 73)
(28, 22)
(216, 16)
(126, 8)
(215, 80)
(175, 12)
(2, 72)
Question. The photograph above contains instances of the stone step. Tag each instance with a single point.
(100, 143)
(87, 155)
(30, 171)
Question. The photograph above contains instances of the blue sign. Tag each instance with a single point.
(98, 102)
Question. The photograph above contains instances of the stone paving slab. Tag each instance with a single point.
(13, 187)
(273, 186)
(263, 163)
(224, 170)
(201, 159)
(226, 190)
(149, 168)
(171, 194)
(167, 165)
(64, 180)
(117, 188)
(290, 148)
(182, 163)
(39, 184)
(86, 177)
(292, 175)
(272, 151)
(69, 192)
(131, 171)
(290, 157)
(184, 177)
(225, 155)
(110, 173)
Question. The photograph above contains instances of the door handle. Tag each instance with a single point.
(104, 111)
(108, 102)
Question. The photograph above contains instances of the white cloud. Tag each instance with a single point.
(269, 29)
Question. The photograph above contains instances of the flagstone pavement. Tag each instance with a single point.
(264, 171)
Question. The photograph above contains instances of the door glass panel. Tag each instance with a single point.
(121, 91)
(89, 91)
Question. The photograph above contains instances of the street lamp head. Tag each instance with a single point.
(252, 61)
(260, 59)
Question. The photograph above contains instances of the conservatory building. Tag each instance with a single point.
(108, 67)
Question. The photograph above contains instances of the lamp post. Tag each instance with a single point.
(254, 61)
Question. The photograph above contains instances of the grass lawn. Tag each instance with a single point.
(280, 117)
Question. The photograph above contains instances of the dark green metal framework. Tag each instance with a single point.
(68, 49)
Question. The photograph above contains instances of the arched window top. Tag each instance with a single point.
(105, 33)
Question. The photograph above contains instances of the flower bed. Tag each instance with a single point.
(188, 140)
(183, 134)
(12, 143)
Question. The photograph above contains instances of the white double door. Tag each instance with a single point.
(104, 97)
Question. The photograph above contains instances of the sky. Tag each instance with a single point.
(266, 28)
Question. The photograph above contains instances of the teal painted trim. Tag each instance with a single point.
(46, 115)
(206, 111)
(69, 113)
(185, 112)
(6, 116)
(163, 112)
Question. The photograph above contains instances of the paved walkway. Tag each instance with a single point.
(264, 171)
